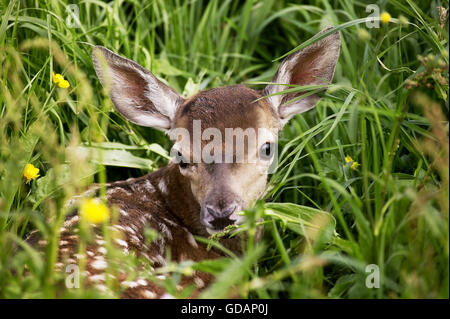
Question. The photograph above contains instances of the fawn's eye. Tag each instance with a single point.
(266, 151)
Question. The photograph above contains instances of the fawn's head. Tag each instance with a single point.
(224, 138)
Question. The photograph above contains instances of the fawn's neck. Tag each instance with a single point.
(176, 192)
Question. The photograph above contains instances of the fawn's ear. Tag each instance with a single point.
(314, 65)
(135, 92)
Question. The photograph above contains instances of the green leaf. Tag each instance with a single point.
(113, 157)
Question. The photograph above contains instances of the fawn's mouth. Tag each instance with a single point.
(216, 215)
(219, 224)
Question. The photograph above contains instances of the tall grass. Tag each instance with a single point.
(324, 221)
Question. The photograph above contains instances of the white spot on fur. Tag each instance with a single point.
(118, 227)
(170, 222)
(199, 282)
(98, 277)
(135, 240)
(101, 287)
(142, 282)
(191, 240)
(149, 294)
(70, 222)
(99, 264)
(121, 242)
(165, 231)
(130, 284)
(130, 230)
(148, 186)
(162, 186)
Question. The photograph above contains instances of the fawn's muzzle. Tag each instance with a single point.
(216, 217)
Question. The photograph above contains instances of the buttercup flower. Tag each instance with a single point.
(30, 172)
(64, 84)
(385, 17)
(354, 165)
(60, 81)
(57, 77)
(94, 211)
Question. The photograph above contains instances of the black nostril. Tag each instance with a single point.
(227, 212)
(212, 211)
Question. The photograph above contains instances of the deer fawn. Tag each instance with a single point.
(193, 196)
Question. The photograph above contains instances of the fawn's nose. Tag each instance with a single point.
(217, 212)
(217, 217)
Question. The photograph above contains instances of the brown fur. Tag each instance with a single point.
(180, 201)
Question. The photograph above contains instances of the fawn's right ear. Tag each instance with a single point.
(314, 65)
(135, 92)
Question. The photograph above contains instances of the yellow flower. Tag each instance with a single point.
(354, 165)
(60, 81)
(94, 211)
(64, 84)
(385, 17)
(30, 172)
(57, 77)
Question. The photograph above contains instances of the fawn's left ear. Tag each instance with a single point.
(135, 92)
(314, 65)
